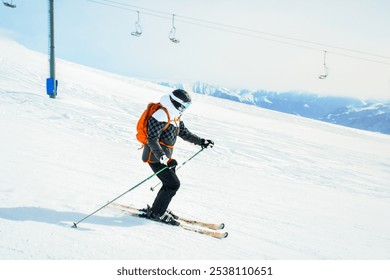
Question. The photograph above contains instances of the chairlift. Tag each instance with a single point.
(138, 29)
(172, 33)
(325, 68)
(9, 4)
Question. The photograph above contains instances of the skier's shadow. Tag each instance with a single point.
(65, 219)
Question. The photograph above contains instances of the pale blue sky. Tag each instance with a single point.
(99, 36)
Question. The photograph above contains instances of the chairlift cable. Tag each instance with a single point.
(240, 31)
(284, 37)
(252, 30)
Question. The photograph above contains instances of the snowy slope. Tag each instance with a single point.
(286, 187)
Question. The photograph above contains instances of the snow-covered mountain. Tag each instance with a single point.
(286, 187)
(369, 115)
(374, 116)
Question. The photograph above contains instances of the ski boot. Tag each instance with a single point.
(167, 218)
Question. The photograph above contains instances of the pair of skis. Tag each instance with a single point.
(209, 229)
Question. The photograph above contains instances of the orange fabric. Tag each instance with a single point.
(150, 153)
(149, 158)
(142, 125)
(168, 146)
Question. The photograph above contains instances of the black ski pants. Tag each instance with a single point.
(170, 185)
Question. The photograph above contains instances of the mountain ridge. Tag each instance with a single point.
(372, 115)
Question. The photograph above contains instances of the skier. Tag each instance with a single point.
(159, 149)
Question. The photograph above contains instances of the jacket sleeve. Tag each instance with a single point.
(186, 135)
(155, 129)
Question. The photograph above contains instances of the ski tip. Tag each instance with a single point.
(222, 226)
(221, 235)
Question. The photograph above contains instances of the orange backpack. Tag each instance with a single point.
(142, 125)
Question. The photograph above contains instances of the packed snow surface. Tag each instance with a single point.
(286, 187)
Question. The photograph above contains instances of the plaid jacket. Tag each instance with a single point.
(161, 142)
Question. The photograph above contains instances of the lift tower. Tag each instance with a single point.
(51, 82)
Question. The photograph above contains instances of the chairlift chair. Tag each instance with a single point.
(9, 4)
(172, 33)
(138, 29)
(325, 68)
(172, 36)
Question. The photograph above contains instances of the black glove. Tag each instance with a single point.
(206, 143)
(172, 163)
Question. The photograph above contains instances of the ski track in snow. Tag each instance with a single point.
(286, 187)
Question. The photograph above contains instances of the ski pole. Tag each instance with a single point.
(181, 165)
(140, 183)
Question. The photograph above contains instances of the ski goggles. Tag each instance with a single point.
(185, 105)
